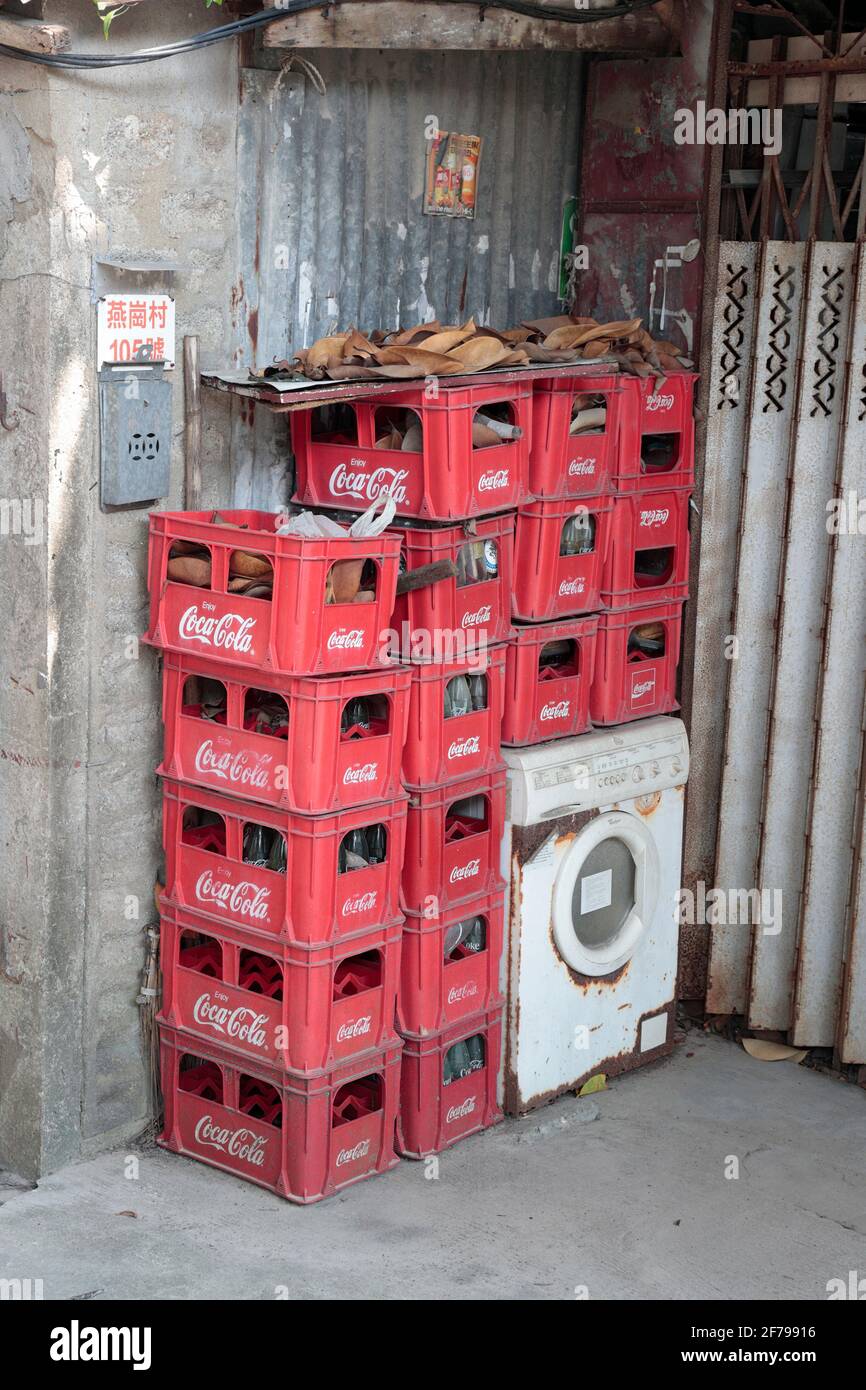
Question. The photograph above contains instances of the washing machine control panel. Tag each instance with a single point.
(562, 778)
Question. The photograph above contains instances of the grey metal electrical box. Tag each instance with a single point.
(134, 434)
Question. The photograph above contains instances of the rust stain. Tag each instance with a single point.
(647, 806)
(615, 1065)
(511, 1097)
(10, 755)
(253, 328)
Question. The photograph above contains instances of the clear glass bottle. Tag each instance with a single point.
(376, 844)
(355, 721)
(475, 936)
(478, 691)
(277, 857)
(257, 845)
(458, 697)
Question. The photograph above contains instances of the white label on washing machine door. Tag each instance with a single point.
(596, 891)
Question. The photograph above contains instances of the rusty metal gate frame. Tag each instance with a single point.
(810, 980)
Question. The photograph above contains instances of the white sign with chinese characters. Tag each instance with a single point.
(135, 328)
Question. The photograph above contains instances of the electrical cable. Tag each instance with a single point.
(95, 61)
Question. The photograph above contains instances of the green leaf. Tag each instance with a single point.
(595, 1083)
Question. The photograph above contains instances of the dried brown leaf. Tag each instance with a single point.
(434, 363)
(408, 335)
(478, 353)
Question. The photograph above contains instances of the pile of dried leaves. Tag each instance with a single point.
(429, 349)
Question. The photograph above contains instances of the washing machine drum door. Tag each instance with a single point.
(605, 894)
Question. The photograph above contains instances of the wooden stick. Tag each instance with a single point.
(413, 24)
(426, 574)
(33, 37)
(192, 425)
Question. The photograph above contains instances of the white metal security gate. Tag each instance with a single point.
(782, 630)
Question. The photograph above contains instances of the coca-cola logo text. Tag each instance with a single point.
(656, 516)
(579, 468)
(242, 899)
(481, 615)
(243, 769)
(576, 585)
(360, 1150)
(555, 709)
(344, 483)
(464, 871)
(642, 688)
(241, 1023)
(459, 1112)
(361, 902)
(459, 992)
(493, 480)
(231, 632)
(366, 772)
(238, 1143)
(464, 748)
(658, 402)
(354, 1028)
(342, 640)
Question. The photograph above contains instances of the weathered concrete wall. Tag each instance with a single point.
(137, 164)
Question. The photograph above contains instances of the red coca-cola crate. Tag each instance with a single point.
(435, 1112)
(302, 1137)
(648, 558)
(657, 434)
(453, 836)
(450, 965)
(456, 617)
(562, 464)
(304, 1008)
(283, 741)
(443, 479)
(548, 675)
(302, 629)
(549, 582)
(636, 663)
(440, 748)
(312, 902)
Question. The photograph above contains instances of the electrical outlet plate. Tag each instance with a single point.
(134, 434)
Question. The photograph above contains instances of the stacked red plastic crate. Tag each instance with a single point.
(455, 460)
(284, 828)
(601, 555)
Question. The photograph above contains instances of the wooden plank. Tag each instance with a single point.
(408, 25)
(34, 37)
(192, 425)
(324, 392)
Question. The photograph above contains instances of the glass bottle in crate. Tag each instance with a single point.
(354, 852)
(453, 938)
(355, 721)
(277, 857)
(257, 846)
(478, 691)
(376, 844)
(474, 939)
(458, 1063)
(458, 697)
(475, 1048)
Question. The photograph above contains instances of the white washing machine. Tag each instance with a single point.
(592, 855)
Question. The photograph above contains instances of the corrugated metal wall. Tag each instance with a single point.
(786, 437)
(331, 227)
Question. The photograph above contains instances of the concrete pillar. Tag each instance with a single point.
(131, 164)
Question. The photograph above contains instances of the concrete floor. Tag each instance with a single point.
(624, 1193)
